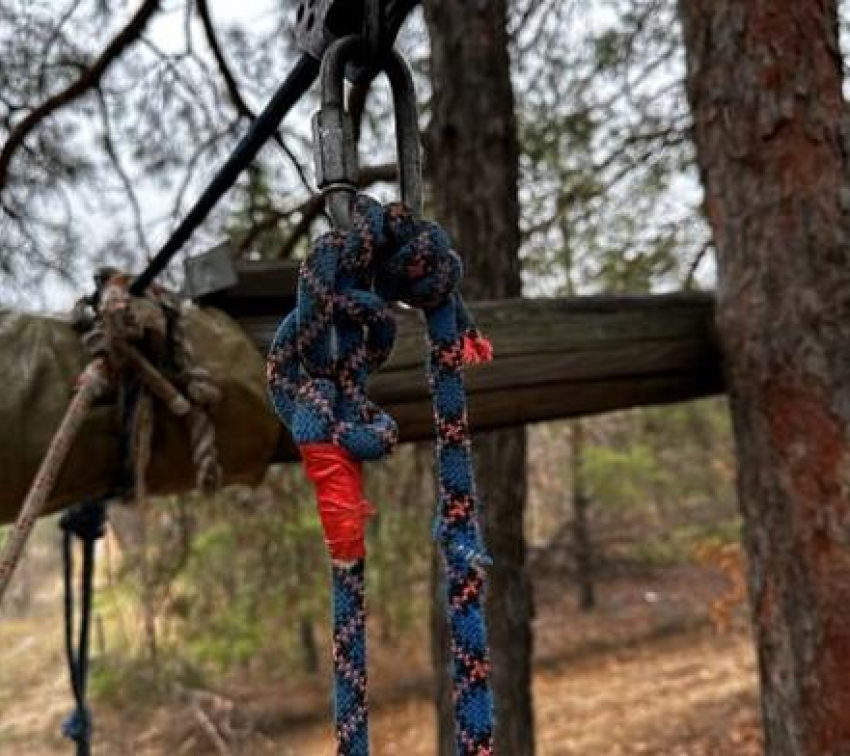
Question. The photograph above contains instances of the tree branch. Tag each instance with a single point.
(121, 172)
(90, 78)
(308, 211)
(233, 90)
(690, 277)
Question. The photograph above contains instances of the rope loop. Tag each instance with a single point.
(342, 330)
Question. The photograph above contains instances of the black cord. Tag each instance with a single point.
(267, 122)
(87, 523)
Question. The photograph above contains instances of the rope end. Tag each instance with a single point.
(77, 726)
(477, 349)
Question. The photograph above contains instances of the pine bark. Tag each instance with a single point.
(474, 159)
(765, 84)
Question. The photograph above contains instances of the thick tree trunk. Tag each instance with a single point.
(765, 84)
(473, 153)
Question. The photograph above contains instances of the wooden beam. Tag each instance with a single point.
(555, 358)
(264, 288)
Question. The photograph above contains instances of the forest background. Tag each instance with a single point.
(221, 604)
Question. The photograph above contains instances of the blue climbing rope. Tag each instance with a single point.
(342, 329)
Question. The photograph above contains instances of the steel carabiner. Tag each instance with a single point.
(337, 170)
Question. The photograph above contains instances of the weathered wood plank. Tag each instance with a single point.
(555, 358)
(264, 288)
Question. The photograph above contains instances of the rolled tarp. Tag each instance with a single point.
(40, 359)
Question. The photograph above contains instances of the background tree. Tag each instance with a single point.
(609, 202)
(609, 187)
(765, 84)
(608, 179)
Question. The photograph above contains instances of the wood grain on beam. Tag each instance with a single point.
(555, 358)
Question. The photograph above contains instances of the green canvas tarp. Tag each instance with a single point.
(41, 359)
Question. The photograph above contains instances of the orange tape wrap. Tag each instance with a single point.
(338, 480)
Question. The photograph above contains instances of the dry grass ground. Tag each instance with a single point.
(685, 695)
(645, 674)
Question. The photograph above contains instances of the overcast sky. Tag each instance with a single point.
(167, 32)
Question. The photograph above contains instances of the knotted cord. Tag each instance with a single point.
(122, 334)
(342, 330)
(131, 341)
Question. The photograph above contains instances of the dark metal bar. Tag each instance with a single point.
(406, 131)
(267, 122)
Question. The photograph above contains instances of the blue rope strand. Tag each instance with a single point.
(322, 355)
(349, 641)
(87, 523)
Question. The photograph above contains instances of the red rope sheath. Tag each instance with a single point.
(338, 480)
(476, 348)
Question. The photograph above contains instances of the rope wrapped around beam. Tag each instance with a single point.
(131, 340)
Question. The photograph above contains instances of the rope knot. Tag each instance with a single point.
(339, 333)
(143, 341)
(342, 328)
(419, 267)
(77, 726)
(86, 521)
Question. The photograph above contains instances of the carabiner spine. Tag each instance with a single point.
(337, 170)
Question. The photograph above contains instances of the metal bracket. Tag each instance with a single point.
(209, 272)
(320, 23)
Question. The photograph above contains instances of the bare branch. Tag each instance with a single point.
(315, 206)
(690, 277)
(90, 78)
(56, 35)
(233, 90)
(121, 172)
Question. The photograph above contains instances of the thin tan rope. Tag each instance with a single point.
(92, 384)
(119, 320)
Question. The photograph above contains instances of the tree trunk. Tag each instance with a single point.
(441, 659)
(765, 85)
(582, 542)
(473, 154)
